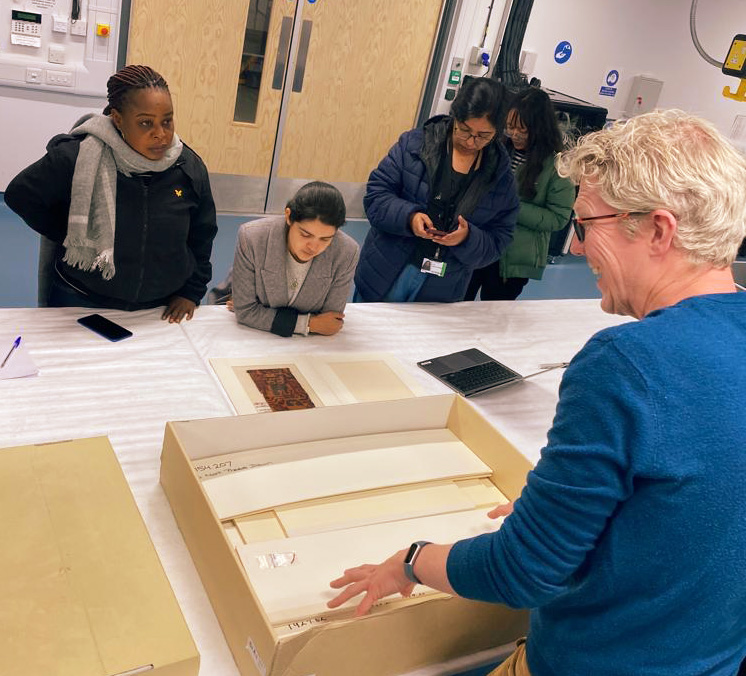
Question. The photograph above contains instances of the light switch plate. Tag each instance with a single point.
(56, 54)
(59, 24)
(78, 27)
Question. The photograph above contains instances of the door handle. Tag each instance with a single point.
(300, 66)
(286, 32)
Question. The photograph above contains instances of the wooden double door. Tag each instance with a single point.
(275, 93)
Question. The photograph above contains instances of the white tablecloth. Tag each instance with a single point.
(88, 386)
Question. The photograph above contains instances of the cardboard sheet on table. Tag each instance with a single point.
(442, 457)
(299, 586)
(82, 589)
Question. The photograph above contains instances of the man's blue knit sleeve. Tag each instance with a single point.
(584, 473)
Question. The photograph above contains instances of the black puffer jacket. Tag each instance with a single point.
(165, 225)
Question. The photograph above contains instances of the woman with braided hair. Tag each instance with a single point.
(127, 203)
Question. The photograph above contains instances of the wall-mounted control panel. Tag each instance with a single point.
(59, 45)
(25, 28)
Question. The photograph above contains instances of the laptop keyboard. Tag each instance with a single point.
(480, 376)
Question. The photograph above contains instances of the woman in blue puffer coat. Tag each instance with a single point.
(440, 204)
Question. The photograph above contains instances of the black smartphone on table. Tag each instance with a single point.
(104, 327)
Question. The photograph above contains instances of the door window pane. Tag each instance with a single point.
(252, 60)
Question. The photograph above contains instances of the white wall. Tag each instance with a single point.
(649, 37)
(634, 37)
(28, 119)
(468, 33)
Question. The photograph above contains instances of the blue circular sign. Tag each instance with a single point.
(562, 52)
(612, 77)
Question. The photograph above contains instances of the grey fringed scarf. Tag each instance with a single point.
(90, 224)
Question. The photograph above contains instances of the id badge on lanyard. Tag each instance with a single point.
(441, 210)
(433, 266)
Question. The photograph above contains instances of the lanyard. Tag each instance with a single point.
(444, 177)
(445, 202)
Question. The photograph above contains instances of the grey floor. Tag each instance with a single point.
(568, 277)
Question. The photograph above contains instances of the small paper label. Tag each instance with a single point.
(305, 624)
(258, 661)
(210, 470)
(261, 406)
(275, 560)
(43, 4)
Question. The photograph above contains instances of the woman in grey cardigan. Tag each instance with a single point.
(293, 273)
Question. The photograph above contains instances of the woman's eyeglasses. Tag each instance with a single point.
(464, 134)
(514, 132)
(579, 224)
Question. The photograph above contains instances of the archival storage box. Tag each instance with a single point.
(83, 591)
(399, 636)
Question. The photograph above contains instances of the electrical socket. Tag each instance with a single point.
(60, 78)
(475, 56)
(34, 75)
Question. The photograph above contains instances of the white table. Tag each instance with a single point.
(88, 386)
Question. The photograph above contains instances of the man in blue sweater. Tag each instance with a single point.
(629, 538)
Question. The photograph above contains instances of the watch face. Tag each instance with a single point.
(409, 560)
(412, 549)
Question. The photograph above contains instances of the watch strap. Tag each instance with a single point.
(411, 557)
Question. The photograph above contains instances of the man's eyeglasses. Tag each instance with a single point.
(578, 224)
(464, 134)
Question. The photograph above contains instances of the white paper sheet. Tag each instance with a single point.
(298, 585)
(229, 463)
(429, 455)
(392, 504)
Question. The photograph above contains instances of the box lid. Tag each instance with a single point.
(82, 591)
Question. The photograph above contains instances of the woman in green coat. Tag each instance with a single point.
(533, 138)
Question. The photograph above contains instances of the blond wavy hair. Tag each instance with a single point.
(669, 159)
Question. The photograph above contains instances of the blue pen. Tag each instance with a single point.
(16, 343)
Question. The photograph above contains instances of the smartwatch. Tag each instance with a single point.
(409, 560)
